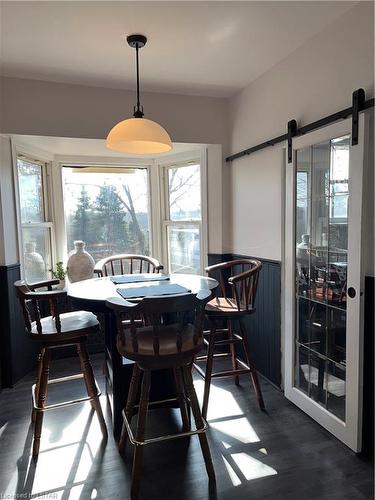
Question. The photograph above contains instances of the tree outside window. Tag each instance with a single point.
(107, 210)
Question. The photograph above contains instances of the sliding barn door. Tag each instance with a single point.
(323, 279)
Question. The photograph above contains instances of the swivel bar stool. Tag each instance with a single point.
(52, 332)
(238, 285)
(162, 344)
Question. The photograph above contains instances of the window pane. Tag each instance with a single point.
(30, 183)
(37, 252)
(185, 193)
(339, 207)
(184, 249)
(340, 165)
(107, 210)
(336, 387)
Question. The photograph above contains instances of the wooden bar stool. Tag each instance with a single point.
(238, 292)
(160, 346)
(54, 331)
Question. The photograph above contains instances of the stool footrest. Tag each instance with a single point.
(229, 373)
(63, 403)
(216, 355)
(65, 379)
(161, 401)
(167, 437)
(199, 370)
(228, 341)
(217, 330)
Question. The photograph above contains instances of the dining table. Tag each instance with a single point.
(91, 295)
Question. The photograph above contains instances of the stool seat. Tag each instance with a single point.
(168, 353)
(73, 324)
(225, 306)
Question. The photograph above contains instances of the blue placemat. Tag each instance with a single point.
(138, 277)
(151, 290)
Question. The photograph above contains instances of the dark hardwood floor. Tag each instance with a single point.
(279, 455)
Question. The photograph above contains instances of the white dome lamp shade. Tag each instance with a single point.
(138, 135)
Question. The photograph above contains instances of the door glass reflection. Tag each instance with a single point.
(321, 242)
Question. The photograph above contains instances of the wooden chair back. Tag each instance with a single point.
(238, 280)
(33, 303)
(186, 309)
(127, 264)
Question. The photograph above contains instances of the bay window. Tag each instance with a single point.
(152, 208)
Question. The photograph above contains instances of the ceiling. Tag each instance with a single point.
(203, 48)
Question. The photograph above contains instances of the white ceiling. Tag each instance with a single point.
(205, 48)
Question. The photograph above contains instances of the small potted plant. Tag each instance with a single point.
(59, 273)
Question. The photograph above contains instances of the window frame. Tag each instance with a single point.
(131, 163)
(183, 160)
(62, 161)
(36, 157)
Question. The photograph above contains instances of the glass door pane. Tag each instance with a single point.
(321, 246)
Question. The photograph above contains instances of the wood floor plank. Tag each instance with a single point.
(279, 455)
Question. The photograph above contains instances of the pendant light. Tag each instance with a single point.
(138, 135)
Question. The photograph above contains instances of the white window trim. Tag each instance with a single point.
(45, 160)
(200, 155)
(72, 161)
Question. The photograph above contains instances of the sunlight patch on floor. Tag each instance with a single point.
(53, 468)
(66, 456)
(221, 403)
(69, 493)
(79, 443)
(236, 481)
(75, 493)
(252, 468)
(2, 428)
(238, 428)
(247, 466)
(225, 444)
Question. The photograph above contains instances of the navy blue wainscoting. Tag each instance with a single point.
(18, 353)
(368, 370)
(264, 326)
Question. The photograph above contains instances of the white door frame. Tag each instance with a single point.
(350, 431)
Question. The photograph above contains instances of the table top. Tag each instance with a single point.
(96, 291)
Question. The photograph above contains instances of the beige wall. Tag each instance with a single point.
(63, 110)
(30, 107)
(314, 81)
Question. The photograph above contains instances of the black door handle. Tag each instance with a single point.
(351, 292)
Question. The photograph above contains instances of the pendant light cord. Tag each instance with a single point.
(138, 109)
